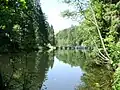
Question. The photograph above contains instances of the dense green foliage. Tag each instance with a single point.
(22, 25)
(74, 35)
(99, 29)
(51, 36)
(69, 37)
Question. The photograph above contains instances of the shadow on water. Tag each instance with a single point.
(29, 71)
(24, 71)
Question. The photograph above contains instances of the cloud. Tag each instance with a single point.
(52, 9)
(57, 21)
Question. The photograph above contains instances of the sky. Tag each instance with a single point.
(52, 9)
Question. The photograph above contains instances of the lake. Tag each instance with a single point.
(63, 76)
(58, 70)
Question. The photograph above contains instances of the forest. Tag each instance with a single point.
(99, 29)
(23, 26)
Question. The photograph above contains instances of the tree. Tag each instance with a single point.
(22, 25)
(101, 23)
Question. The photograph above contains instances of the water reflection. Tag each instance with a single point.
(64, 70)
(24, 71)
(95, 77)
(72, 57)
(63, 77)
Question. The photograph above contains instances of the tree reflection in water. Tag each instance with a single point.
(28, 71)
(95, 77)
(24, 71)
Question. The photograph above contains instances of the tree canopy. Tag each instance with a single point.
(99, 28)
(23, 25)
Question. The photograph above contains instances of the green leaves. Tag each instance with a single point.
(24, 23)
(103, 17)
(118, 6)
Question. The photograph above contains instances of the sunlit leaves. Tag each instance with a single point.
(24, 23)
(118, 6)
(107, 15)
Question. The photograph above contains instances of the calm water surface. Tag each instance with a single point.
(60, 70)
(63, 76)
